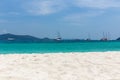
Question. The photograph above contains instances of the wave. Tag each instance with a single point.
(64, 52)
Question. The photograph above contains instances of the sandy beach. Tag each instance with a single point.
(68, 66)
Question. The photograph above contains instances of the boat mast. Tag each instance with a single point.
(58, 36)
(105, 38)
(89, 37)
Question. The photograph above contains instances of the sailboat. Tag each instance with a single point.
(88, 39)
(104, 37)
(58, 37)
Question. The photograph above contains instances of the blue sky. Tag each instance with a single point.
(72, 18)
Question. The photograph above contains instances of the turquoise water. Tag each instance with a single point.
(59, 47)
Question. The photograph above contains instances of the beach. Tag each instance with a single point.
(61, 66)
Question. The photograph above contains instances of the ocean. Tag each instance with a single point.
(59, 47)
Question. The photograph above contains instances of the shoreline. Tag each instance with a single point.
(30, 53)
(67, 66)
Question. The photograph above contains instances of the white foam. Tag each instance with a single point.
(63, 52)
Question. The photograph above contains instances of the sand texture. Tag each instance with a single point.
(68, 66)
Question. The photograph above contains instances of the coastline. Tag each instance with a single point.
(67, 66)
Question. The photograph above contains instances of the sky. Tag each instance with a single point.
(72, 18)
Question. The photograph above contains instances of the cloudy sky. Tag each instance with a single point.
(72, 18)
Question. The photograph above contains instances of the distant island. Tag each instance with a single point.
(12, 38)
(17, 38)
(118, 38)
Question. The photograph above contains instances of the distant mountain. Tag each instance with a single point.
(118, 38)
(18, 38)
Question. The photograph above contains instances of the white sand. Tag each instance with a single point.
(77, 66)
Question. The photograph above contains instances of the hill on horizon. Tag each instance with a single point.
(8, 37)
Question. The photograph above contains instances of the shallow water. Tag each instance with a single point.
(6, 48)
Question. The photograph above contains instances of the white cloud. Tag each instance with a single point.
(40, 7)
(99, 4)
(45, 7)
(76, 18)
(95, 8)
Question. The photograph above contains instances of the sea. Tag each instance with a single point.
(59, 47)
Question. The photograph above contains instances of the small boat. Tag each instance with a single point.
(105, 37)
(89, 38)
(58, 37)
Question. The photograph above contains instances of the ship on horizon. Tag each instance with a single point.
(105, 37)
(58, 37)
